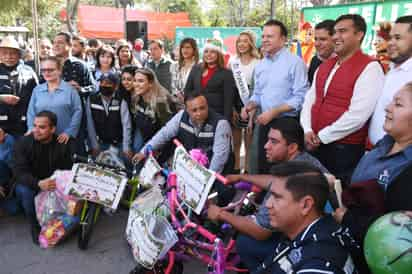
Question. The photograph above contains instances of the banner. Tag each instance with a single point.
(97, 185)
(373, 12)
(193, 180)
(150, 169)
(228, 36)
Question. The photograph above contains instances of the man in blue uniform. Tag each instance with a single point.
(308, 240)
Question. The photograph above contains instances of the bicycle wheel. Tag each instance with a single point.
(86, 226)
(158, 269)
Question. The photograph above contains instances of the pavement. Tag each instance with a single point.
(108, 252)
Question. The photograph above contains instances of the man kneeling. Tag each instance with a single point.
(36, 157)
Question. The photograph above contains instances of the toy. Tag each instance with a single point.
(388, 244)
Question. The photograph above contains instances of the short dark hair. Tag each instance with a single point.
(82, 40)
(102, 50)
(326, 25)
(291, 130)
(193, 95)
(67, 37)
(274, 23)
(358, 22)
(303, 179)
(158, 42)
(129, 69)
(405, 20)
(51, 116)
(94, 43)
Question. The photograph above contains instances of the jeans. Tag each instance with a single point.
(5, 173)
(25, 196)
(253, 252)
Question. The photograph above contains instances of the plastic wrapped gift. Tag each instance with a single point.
(57, 229)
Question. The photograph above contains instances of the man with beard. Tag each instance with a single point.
(79, 47)
(342, 98)
(400, 73)
(35, 158)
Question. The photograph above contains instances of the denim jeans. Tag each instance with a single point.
(253, 252)
(25, 196)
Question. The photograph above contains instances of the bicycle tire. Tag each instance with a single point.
(86, 227)
(158, 269)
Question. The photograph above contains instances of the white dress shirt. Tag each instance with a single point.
(394, 80)
(366, 92)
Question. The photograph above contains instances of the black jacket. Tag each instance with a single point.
(33, 161)
(18, 81)
(219, 91)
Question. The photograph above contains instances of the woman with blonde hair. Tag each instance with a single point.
(151, 106)
(243, 66)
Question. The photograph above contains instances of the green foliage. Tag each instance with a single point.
(48, 11)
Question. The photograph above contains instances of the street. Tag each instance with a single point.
(108, 251)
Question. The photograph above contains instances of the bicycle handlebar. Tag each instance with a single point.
(220, 177)
(88, 160)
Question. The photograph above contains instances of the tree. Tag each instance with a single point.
(320, 2)
(48, 11)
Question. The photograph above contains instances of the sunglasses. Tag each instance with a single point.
(49, 70)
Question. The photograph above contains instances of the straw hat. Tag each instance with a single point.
(10, 42)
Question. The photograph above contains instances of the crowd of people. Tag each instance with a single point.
(341, 117)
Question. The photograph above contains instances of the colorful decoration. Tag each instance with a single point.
(381, 44)
(305, 45)
(57, 229)
(199, 156)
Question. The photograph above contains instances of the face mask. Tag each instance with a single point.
(138, 47)
(106, 91)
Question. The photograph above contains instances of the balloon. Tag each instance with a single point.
(388, 244)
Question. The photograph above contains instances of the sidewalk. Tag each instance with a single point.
(108, 251)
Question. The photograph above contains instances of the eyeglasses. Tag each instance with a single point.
(49, 70)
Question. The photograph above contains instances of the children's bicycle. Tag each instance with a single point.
(194, 240)
(91, 210)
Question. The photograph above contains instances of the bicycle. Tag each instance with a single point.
(91, 210)
(195, 241)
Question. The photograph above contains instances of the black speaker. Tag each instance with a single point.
(136, 29)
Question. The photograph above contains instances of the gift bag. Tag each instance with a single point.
(57, 229)
(50, 204)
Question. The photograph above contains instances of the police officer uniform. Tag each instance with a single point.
(19, 81)
(323, 247)
(203, 137)
(108, 125)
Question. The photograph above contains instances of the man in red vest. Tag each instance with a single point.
(341, 100)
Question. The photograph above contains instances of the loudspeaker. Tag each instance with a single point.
(136, 29)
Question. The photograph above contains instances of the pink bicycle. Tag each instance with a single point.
(194, 240)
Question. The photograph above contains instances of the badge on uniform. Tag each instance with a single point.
(295, 255)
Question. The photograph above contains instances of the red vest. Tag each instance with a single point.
(327, 109)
